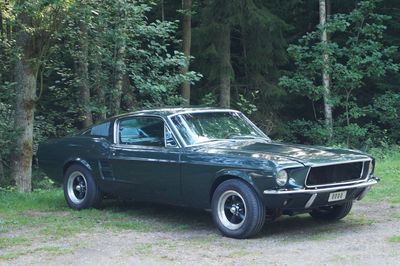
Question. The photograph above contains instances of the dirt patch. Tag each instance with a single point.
(359, 239)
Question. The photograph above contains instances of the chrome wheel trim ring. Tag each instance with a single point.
(77, 187)
(222, 208)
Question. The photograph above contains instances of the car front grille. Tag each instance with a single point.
(337, 173)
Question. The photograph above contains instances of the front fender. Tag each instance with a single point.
(77, 160)
(257, 179)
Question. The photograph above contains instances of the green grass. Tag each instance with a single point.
(388, 170)
(12, 241)
(394, 239)
(44, 215)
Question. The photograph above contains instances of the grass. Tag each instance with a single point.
(47, 211)
(394, 239)
(12, 241)
(388, 170)
(43, 216)
(357, 220)
(48, 250)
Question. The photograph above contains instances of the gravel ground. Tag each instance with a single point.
(362, 238)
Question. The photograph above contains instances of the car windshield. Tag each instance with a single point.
(196, 128)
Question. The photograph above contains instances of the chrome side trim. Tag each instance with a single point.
(141, 159)
(338, 163)
(320, 190)
(310, 201)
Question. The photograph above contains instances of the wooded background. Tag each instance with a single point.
(305, 71)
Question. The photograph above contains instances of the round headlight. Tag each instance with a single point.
(370, 168)
(281, 178)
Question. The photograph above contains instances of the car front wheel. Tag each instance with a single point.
(332, 213)
(80, 188)
(237, 210)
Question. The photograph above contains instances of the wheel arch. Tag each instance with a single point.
(225, 175)
(78, 161)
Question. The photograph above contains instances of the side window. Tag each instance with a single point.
(102, 130)
(147, 131)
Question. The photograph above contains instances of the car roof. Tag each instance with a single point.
(164, 112)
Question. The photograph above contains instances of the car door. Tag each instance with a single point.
(145, 158)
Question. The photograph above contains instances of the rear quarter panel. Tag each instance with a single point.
(54, 155)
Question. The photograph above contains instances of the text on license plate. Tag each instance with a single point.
(335, 196)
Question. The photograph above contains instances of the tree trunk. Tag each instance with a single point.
(83, 75)
(2, 177)
(225, 65)
(325, 72)
(25, 90)
(187, 39)
(101, 100)
(120, 67)
(119, 77)
(1, 26)
(25, 76)
(162, 11)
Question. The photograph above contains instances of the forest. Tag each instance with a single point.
(321, 72)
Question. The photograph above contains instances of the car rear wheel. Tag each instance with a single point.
(332, 213)
(80, 188)
(237, 210)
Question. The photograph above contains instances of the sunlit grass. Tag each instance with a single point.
(388, 170)
(44, 215)
(394, 239)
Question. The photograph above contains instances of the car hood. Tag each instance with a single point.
(282, 153)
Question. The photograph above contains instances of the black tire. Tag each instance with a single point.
(332, 213)
(227, 209)
(80, 188)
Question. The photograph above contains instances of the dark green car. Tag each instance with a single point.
(206, 158)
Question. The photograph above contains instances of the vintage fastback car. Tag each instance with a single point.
(206, 158)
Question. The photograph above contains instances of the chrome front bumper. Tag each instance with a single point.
(367, 183)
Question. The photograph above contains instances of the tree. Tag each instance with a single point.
(323, 14)
(33, 35)
(186, 43)
(355, 52)
(238, 47)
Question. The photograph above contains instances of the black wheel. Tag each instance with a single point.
(80, 188)
(237, 210)
(332, 213)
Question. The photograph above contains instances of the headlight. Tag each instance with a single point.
(281, 178)
(370, 168)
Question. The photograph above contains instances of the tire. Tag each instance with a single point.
(332, 213)
(80, 188)
(237, 210)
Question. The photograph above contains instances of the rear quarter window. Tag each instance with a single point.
(101, 130)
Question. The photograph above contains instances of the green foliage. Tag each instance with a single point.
(150, 63)
(245, 105)
(257, 50)
(357, 54)
(308, 132)
(210, 99)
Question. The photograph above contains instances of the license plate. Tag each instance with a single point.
(335, 196)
